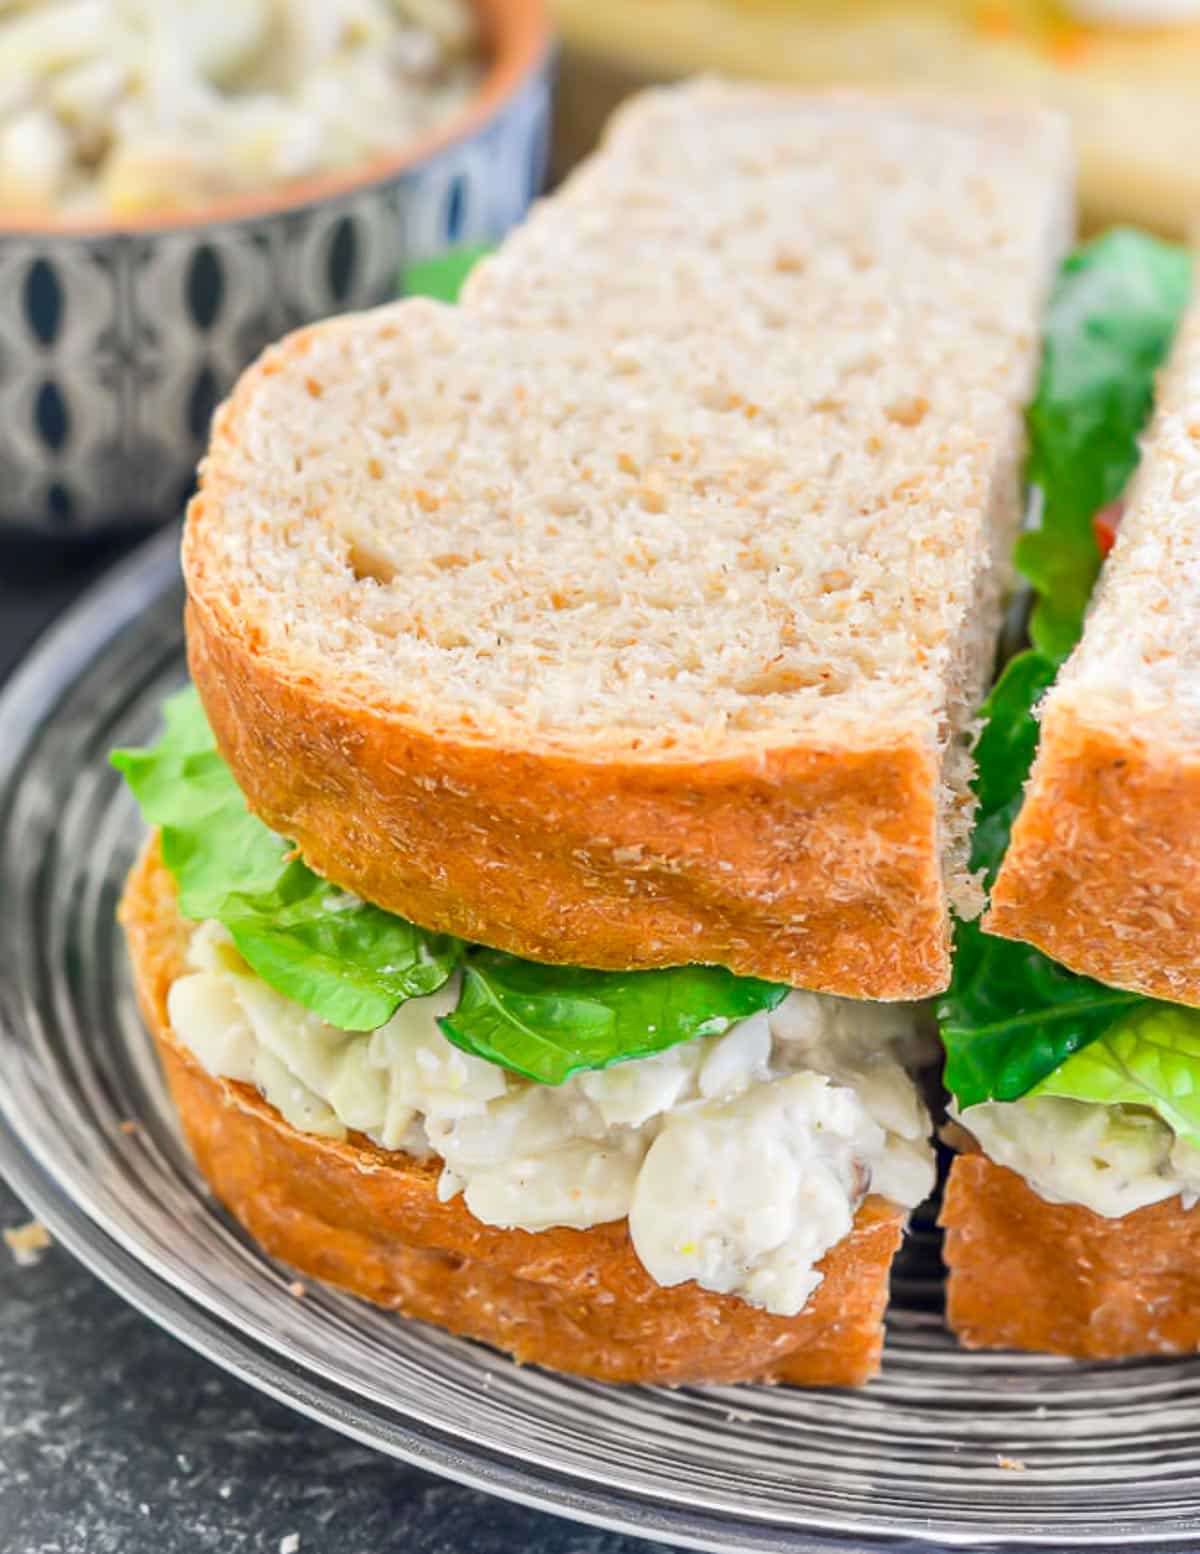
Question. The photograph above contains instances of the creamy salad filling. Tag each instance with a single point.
(739, 1159)
(121, 107)
(1110, 1159)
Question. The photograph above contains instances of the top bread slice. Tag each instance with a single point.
(1103, 871)
(633, 613)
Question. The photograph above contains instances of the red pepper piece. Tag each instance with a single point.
(1105, 525)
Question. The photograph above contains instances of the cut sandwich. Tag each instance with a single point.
(1070, 1220)
(328, 1181)
(583, 687)
(669, 1176)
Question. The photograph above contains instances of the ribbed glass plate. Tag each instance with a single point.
(947, 1449)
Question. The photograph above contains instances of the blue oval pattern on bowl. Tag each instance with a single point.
(115, 347)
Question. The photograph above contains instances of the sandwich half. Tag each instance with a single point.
(1074, 1050)
(1103, 869)
(576, 777)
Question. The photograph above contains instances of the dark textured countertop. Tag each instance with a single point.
(116, 1439)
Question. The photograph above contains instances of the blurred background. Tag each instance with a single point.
(1127, 72)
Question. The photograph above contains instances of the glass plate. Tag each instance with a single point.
(946, 1449)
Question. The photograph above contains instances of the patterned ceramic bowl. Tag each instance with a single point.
(116, 342)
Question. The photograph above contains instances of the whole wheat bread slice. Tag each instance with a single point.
(634, 612)
(1103, 872)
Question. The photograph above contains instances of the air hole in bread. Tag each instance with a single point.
(779, 679)
(909, 411)
(790, 261)
(367, 561)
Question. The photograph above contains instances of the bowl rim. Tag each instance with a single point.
(517, 36)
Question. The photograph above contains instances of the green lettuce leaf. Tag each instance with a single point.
(442, 278)
(1011, 1016)
(1109, 326)
(215, 848)
(549, 1022)
(1005, 753)
(349, 962)
(1150, 1058)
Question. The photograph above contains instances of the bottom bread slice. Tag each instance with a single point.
(1056, 1278)
(370, 1221)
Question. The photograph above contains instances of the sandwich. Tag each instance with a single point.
(1071, 1030)
(563, 825)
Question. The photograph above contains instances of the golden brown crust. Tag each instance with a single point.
(1103, 871)
(817, 867)
(1058, 1279)
(370, 1221)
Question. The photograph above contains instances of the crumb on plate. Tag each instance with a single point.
(27, 1242)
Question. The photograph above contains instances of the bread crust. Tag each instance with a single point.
(1055, 1278)
(370, 1221)
(813, 866)
(1103, 870)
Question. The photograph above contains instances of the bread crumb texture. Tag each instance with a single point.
(719, 456)
(716, 448)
